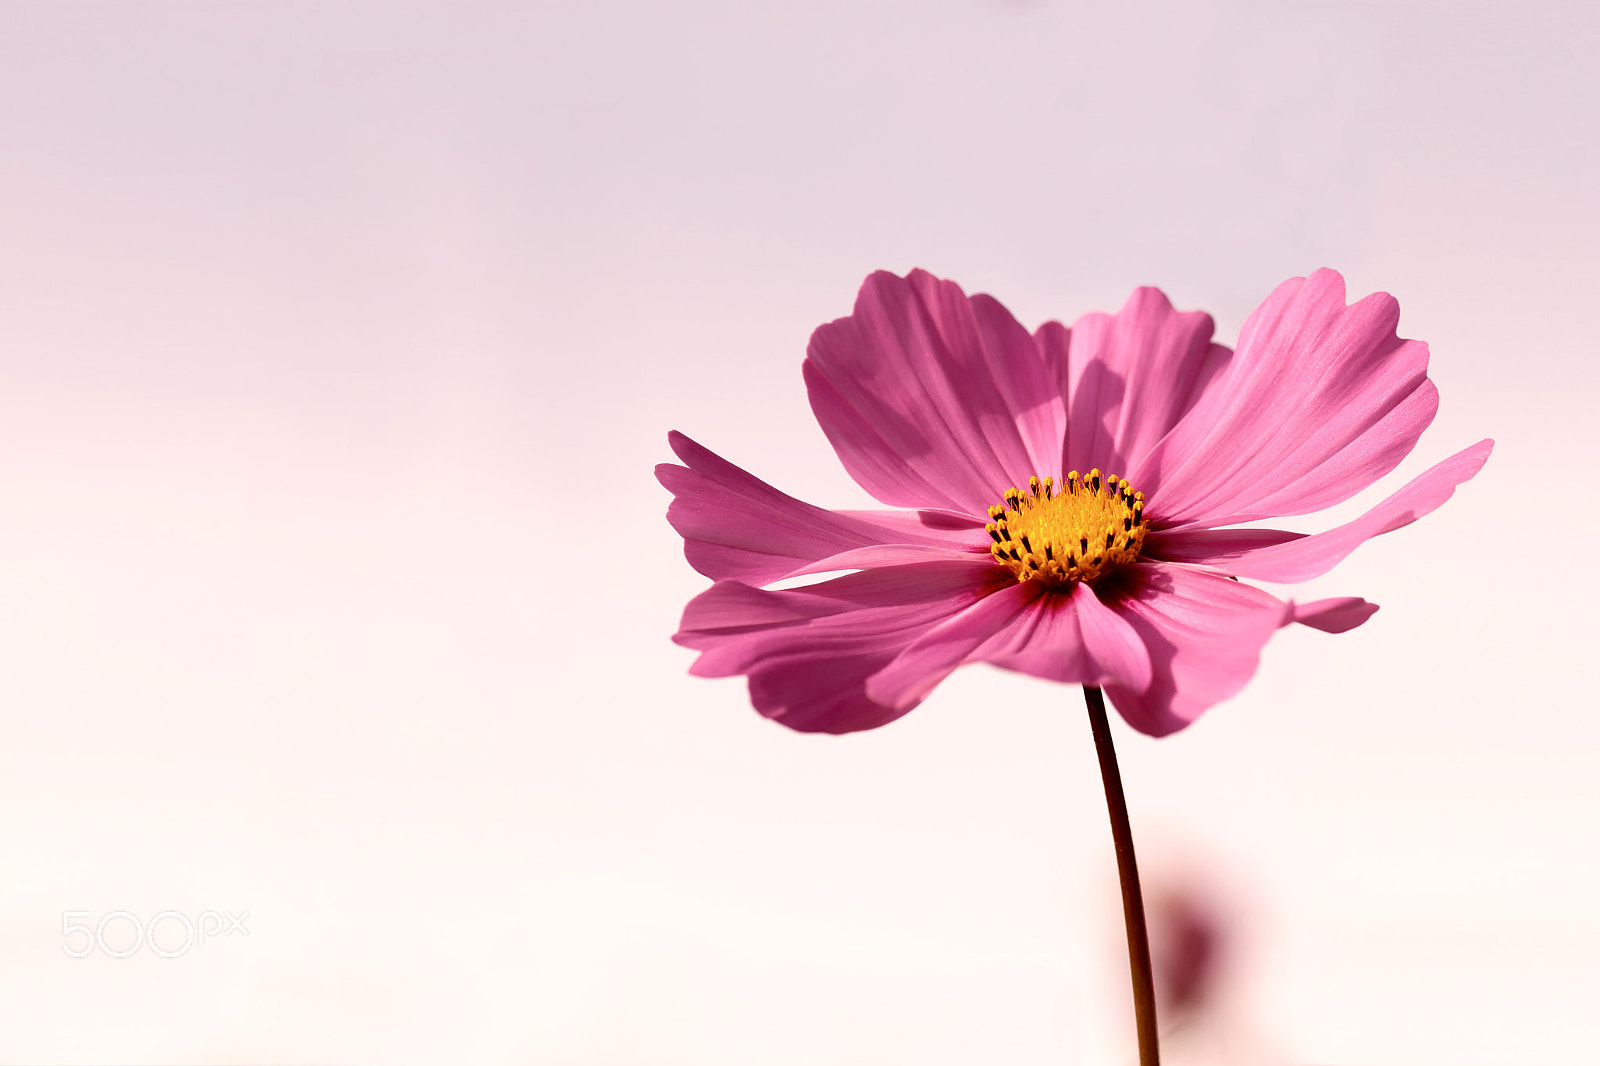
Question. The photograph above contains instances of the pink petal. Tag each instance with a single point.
(907, 680)
(924, 523)
(1211, 547)
(1054, 341)
(880, 555)
(1074, 638)
(868, 457)
(1274, 555)
(808, 652)
(933, 399)
(825, 693)
(1028, 385)
(736, 526)
(1339, 615)
(1132, 376)
(1204, 633)
(1319, 401)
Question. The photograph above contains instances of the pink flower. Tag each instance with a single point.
(1024, 546)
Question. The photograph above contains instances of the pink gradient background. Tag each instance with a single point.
(339, 342)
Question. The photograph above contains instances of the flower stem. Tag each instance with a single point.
(1144, 990)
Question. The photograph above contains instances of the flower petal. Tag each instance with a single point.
(1319, 401)
(1074, 638)
(1274, 555)
(927, 522)
(932, 399)
(809, 652)
(736, 526)
(907, 680)
(1211, 547)
(1027, 384)
(1338, 615)
(880, 555)
(1204, 633)
(1132, 376)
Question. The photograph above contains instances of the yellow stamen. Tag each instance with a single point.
(1075, 531)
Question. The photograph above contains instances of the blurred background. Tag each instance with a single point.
(337, 343)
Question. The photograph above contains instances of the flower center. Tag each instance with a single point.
(1078, 530)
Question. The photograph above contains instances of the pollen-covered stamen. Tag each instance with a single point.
(1077, 531)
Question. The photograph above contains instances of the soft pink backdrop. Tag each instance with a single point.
(338, 343)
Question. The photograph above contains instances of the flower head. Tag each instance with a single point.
(1065, 499)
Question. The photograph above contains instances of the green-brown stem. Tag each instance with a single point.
(1144, 990)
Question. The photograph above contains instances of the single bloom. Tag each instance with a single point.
(1064, 499)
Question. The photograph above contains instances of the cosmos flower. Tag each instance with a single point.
(1065, 500)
